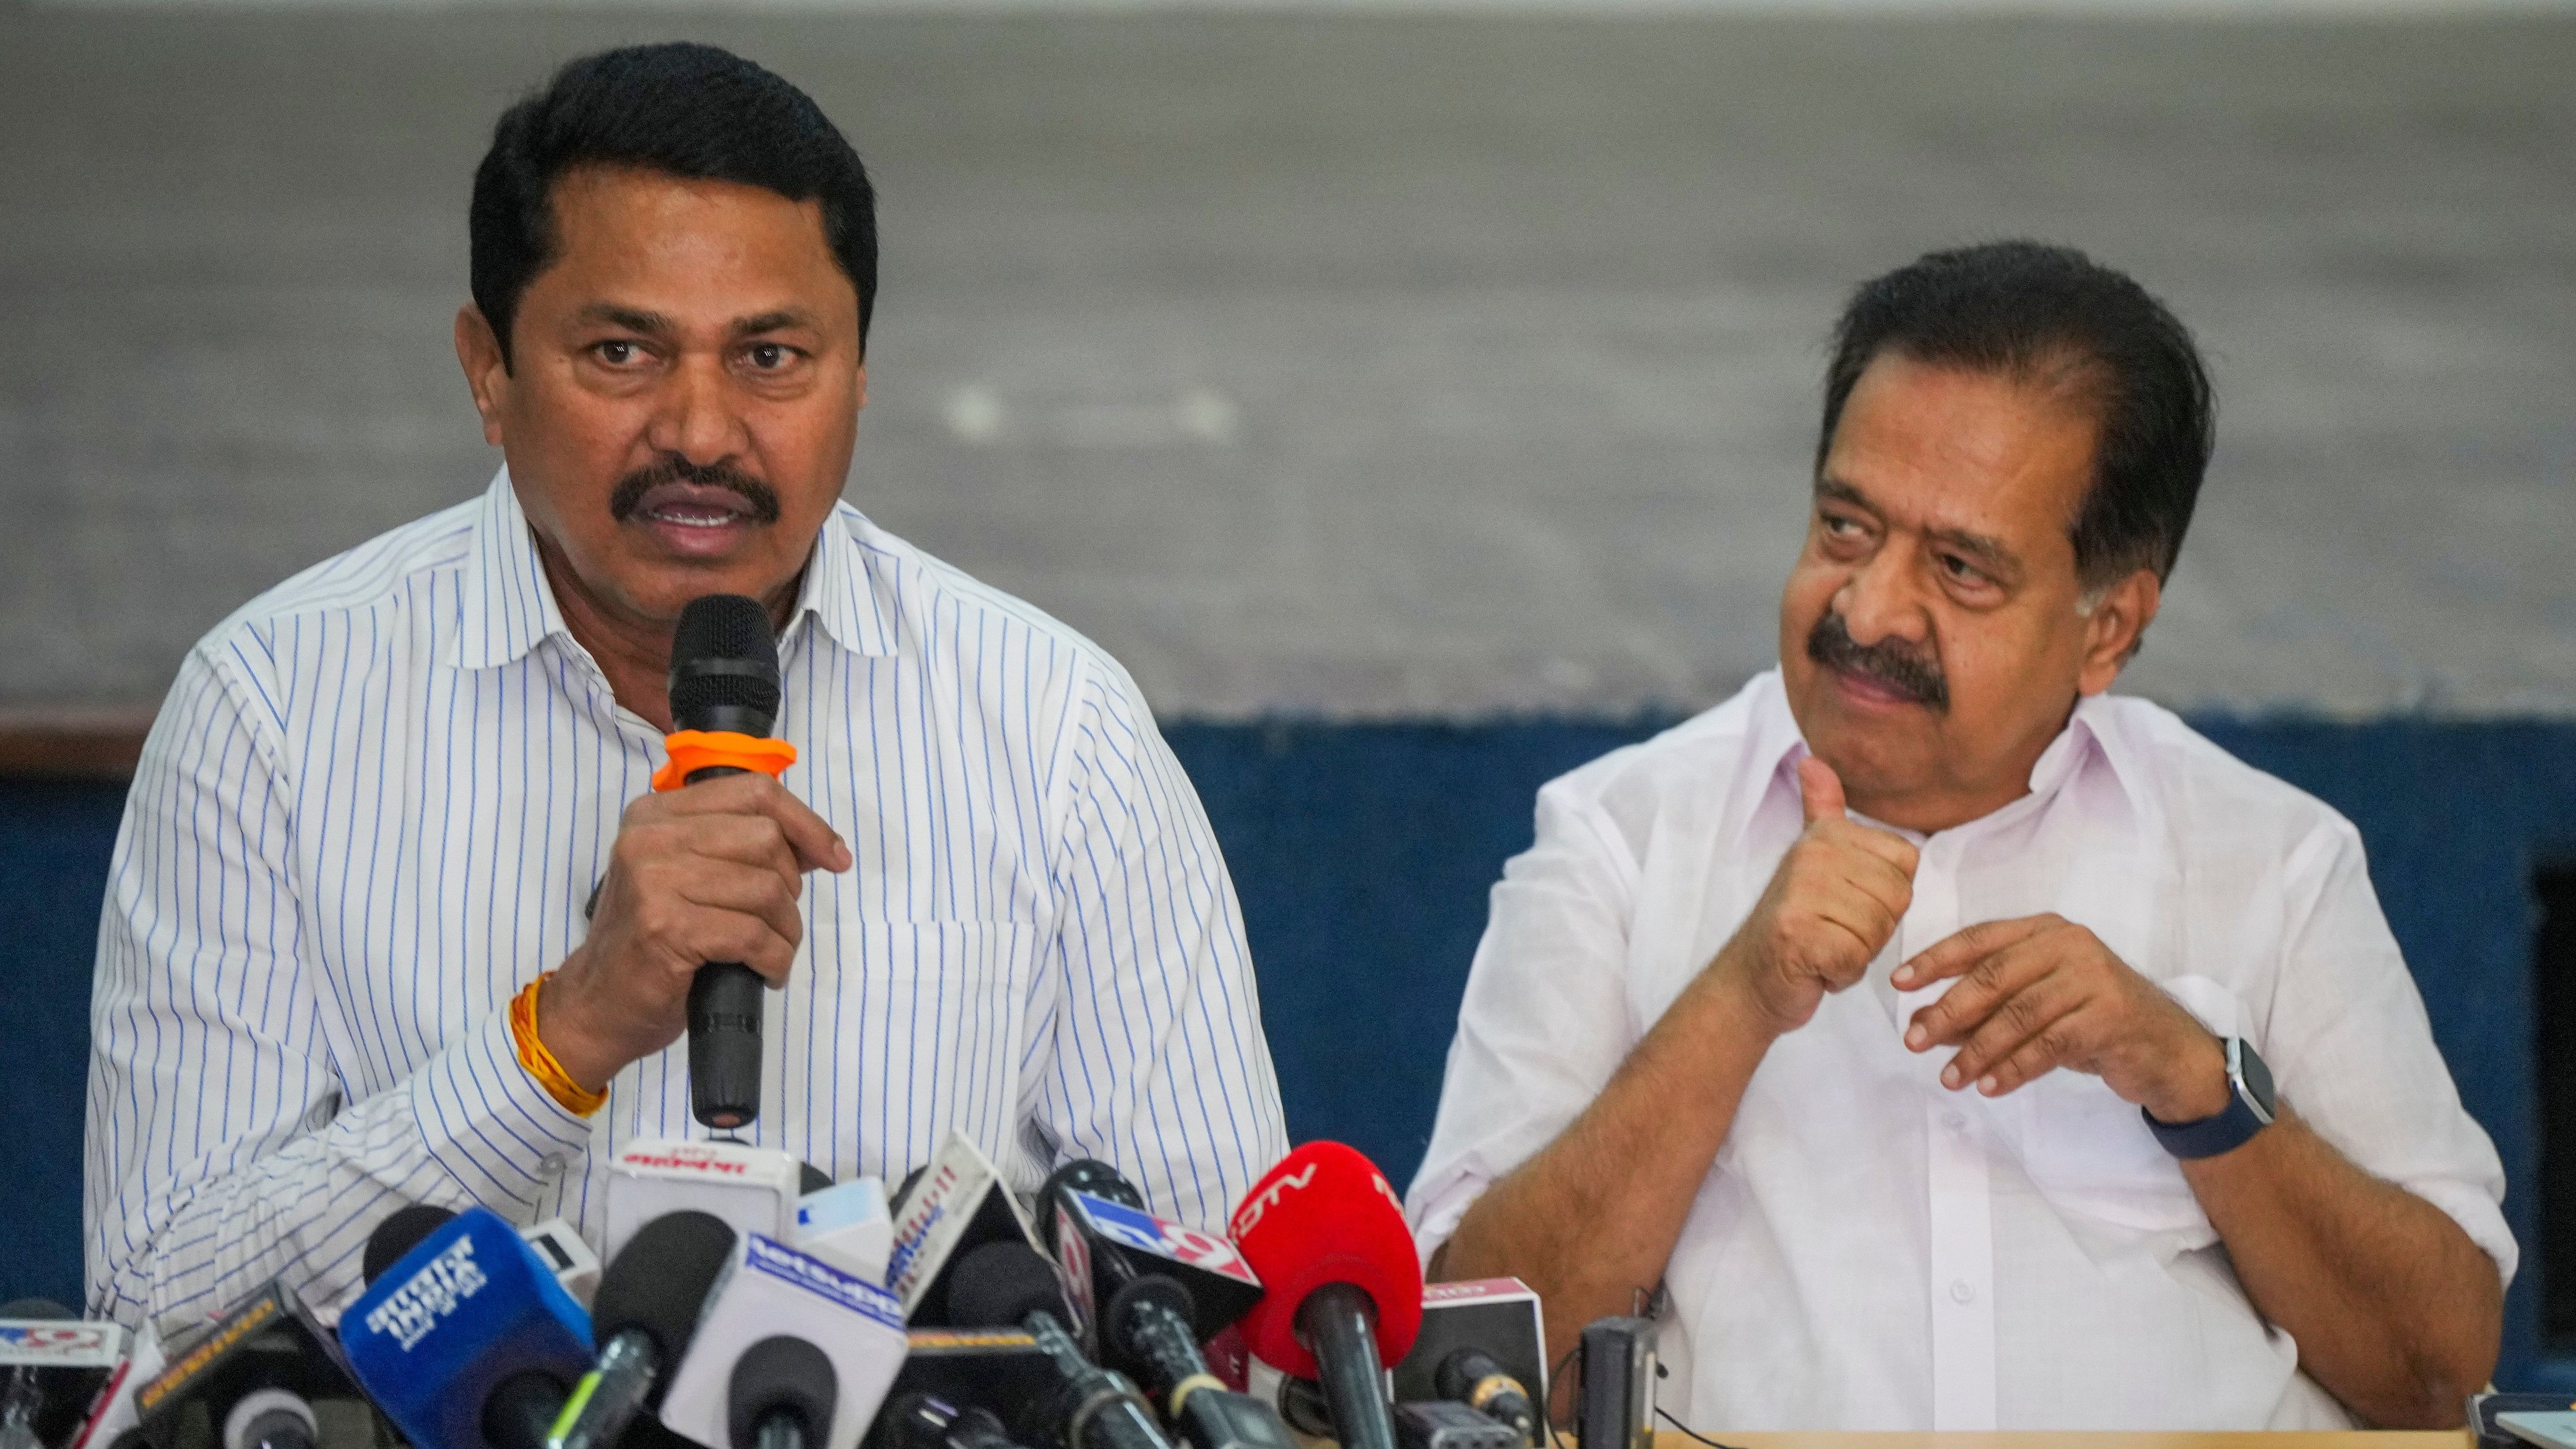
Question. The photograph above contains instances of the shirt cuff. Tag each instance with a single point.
(495, 1129)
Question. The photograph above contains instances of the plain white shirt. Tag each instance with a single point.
(1873, 1251)
(375, 805)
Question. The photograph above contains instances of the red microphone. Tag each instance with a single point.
(1342, 1286)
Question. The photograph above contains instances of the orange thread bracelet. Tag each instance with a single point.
(541, 1063)
(695, 750)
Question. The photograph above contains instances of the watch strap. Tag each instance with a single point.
(2231, 1128)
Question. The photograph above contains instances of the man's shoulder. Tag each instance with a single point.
(1704, 758)
(2204, 791)
(942, 610)
(384, 572)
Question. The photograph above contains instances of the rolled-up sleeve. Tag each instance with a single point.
(1545, 1019)
(2352, 1052)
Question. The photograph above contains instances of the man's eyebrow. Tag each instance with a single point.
(631, 318)
(774, 321)
(1842, 492)
(1984, 547)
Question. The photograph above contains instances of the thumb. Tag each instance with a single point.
(1821, 789)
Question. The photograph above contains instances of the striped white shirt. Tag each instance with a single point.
(378, 796)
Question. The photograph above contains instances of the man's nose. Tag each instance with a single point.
(1880, 600)
(697, 418)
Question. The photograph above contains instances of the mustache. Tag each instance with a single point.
(672, 468)
(1891, 661)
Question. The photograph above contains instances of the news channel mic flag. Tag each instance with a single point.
(345, 962)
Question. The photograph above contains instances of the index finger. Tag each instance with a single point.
(817, 845)
(1959, 952)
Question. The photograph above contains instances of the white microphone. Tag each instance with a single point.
(736, 1383)
(847, 1226)
(958, 1205)
(753, 1189)
(559, 1245)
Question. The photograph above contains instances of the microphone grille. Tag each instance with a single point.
(399, 1234)
(659, 1280)
(1000, 1284)
(723, 658)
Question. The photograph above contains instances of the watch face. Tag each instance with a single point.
(2255, 1079)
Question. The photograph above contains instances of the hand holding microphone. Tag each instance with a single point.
(709, 873)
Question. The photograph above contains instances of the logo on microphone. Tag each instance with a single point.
(1143, 1231)
(1248, 1216)
(411, 1311)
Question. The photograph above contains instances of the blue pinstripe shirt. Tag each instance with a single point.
(378, 796)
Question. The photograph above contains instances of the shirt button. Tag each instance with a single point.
(1960, 1292)
(1956, 1122)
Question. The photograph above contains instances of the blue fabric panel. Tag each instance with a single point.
(1363, 854)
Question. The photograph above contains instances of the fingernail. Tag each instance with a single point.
(1917, 1038)
(1950, 1077)
(1902, 975)
(1986, 1085)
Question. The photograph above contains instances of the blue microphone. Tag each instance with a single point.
(467, 1341)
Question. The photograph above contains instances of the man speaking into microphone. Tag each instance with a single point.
(396, 915)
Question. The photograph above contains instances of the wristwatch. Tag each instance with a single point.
(2249, 1110)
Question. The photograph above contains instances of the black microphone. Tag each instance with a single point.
(1149, 1320)
(724, 679)
(645, 1314)
(1089, 1407)
(52, 1370)
(782, 1396)
(927, 1421)
(1473, 1377)
(257, 1372)
(403, 1230)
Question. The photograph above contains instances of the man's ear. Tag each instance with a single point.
(2114, 628)
(487, 372)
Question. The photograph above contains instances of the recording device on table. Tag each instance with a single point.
(1615, 1401)
(724, 680)
(463, 1336)
(1342, 1287)
(2517, 1421)
(1149, 1292)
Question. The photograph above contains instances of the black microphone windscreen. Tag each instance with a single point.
(399, 1234)
(1000, 1284)
(659, 1280)
(810, 1178)
(33, 1308)
(776, 1375)
(723, 658)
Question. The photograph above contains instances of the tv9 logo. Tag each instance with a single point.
(1149, 1234)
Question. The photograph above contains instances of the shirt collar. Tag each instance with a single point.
(506, 607)
(2091, 734)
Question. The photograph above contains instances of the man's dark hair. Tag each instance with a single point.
(691, 111)
(2054, 316)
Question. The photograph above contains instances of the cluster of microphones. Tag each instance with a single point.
(747, 1304)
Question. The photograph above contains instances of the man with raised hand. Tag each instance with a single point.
(1950, 1043)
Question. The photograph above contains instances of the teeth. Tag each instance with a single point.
(693, 519)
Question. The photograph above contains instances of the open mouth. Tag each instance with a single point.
(695, 505)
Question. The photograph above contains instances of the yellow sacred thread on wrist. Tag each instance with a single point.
(540, 1063)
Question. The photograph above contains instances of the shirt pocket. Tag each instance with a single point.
(2090, 1154)
(902, 1031)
